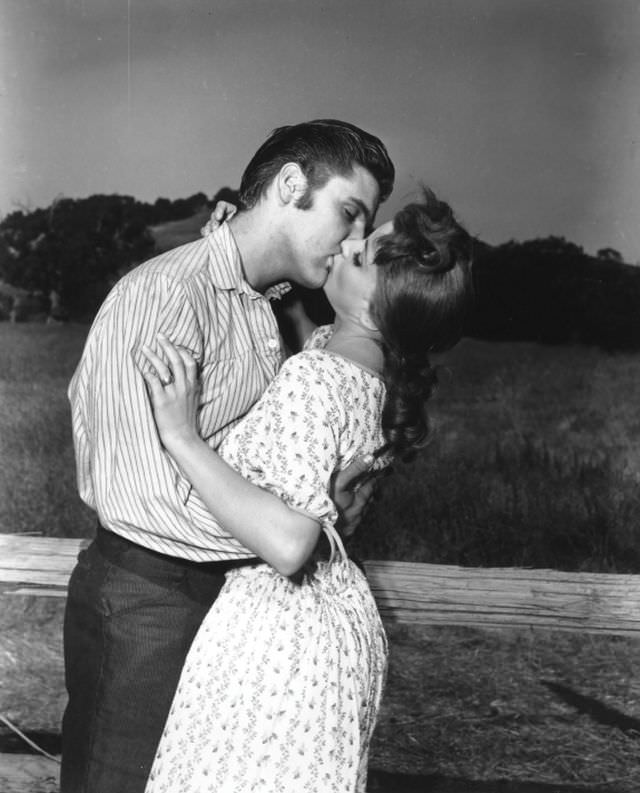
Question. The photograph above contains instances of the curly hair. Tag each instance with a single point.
(423, 292)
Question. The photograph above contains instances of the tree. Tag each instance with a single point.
(609, 255)
(75, 248)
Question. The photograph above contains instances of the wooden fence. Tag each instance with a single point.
(406, 592)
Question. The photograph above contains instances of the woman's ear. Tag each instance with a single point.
(291, 183)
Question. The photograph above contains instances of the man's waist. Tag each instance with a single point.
(117, 548)
(178, 541)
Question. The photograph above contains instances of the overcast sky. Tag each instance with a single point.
(523, 114)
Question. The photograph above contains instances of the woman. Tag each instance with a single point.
(282, 685)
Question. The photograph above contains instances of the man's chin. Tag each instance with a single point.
(318, 281)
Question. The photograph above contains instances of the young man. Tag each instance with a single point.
(140, 591)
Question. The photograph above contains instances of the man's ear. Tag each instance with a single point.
(291, 183)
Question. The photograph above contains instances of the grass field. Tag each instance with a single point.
(534, 461)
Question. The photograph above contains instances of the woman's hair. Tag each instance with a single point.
(423, 292)
(322, 148)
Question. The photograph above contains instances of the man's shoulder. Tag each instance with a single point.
(212, 257)
(173, 268)
(178, 262)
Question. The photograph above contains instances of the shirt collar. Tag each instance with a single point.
(226, 270)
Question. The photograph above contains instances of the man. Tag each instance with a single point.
(141, 590)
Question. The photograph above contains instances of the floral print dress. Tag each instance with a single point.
(281, 687)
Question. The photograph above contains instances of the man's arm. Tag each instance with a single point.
(133, 482)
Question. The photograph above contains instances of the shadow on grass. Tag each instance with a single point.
(10, 743)
(387, 782)
(598, 711)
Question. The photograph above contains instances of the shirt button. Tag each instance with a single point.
(273, 344)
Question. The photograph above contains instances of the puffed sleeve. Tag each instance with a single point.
(289, 443)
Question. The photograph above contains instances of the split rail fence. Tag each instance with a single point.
(406, 592)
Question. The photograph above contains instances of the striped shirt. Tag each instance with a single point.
(198, 297)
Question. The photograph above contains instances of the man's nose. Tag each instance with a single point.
(358, 229)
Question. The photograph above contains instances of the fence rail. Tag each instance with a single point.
(406, 592)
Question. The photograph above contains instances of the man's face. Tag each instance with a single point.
(342, 209)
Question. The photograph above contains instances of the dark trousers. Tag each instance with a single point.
(130, 619)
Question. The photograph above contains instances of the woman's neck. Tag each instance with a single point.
(359, 344)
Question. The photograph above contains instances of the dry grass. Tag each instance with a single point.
(464, 703)
(32, 693)
(460, 703)
(37, 480)
(534, 461)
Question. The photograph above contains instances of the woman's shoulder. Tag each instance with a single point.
(319, 338)
(307, 362)
(329, 377)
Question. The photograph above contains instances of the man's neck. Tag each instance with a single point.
(259, 248)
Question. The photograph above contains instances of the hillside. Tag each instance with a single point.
(178, 232)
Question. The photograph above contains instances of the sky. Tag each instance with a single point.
(523, 114)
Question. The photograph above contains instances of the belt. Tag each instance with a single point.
(114, 547)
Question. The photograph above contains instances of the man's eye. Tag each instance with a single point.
(350, 215)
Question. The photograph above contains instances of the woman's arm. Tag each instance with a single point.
(282, 536)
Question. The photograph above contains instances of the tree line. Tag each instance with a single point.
(76, 249)
(68, 255)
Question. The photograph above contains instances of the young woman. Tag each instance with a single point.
(282, 685)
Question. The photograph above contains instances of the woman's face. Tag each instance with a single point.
(353, 275)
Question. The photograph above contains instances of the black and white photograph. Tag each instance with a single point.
(319, 387)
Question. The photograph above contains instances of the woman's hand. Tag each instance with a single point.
(173, 386)
(223, 211)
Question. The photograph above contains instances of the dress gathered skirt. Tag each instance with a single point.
(281, 688)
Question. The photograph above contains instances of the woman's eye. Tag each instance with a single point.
(357, 259)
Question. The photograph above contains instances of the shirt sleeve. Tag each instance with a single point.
(121, 450)
(289, 443)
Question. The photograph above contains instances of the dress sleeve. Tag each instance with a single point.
(289, 443)
(319, 338)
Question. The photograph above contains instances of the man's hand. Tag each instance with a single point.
(351, 491)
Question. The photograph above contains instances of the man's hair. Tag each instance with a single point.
(322, 148)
